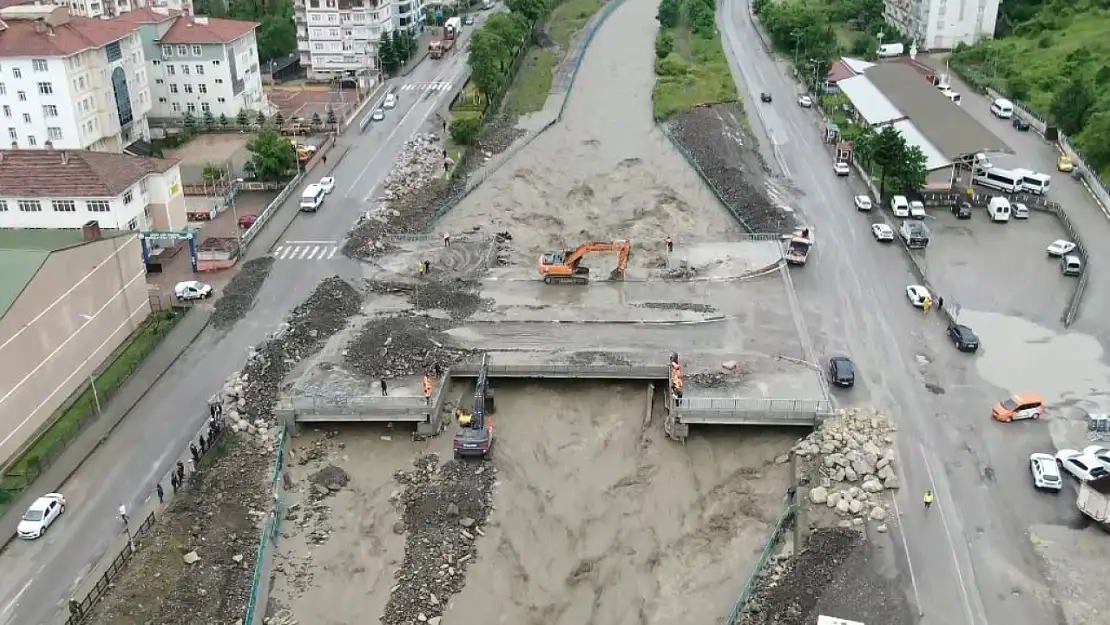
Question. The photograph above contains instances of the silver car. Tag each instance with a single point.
(378, 115)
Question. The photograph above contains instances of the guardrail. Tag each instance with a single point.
(789, 507)
(755, 410)
(267, 540)
(562, 371)
(79, 611)
(268, 213)
(365, 121)
(305, 408)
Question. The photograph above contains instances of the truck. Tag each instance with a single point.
(798, 246)
(1094, 500)
(444, 39)
(915, 234)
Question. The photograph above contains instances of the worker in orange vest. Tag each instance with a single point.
(427, 380)
(676, 389)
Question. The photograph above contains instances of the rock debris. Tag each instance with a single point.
(458, 298)
(394, 347)
(683, 306)
(239, 294)
(444, 508)
(603, 358)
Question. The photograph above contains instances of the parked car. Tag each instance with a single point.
(962, 210)
(917, 210)
(765, 97)
(963, 337)
(1018, 407)
(917, 295)
(841, 168)
(1064, 164)
(1046, 473)
(1082, 467)
(882, 232)
(1100, 452)
(842, 372)
(40, 516)
(1020, 124)
(805, 101)
(468, 20)
(1019, 210)
(863, 203)
(246, 220)
(1060, 248)
(192, 290)
(390, 101)
(1071, 265)
(327, 183)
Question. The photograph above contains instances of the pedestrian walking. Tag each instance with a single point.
(437, 368)
(446, 239)
(928, 499)
(420, 268)
(940, 303)
(75, 609)
(444, 153)
(445, 125)
(203, 443)
(385, 390)
(180, 471)
(670, 244)
(123, 513)
(161, 493)
(212, 409)
(211, 427)
(324, 159)
(174, 482)
(193, 452)
(427, 267)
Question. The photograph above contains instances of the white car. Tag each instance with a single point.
(863, 203)
(900, 206)
(328, 183)
(917, 295)
(378, 115)
(841, 168)
(882, 232)
(1100, 452)
(1019, 210)
(1046, 473)
(1060, 247)
(805, 101)
(390, 101)
(917, 210)
(42, 513)
(1080, 466)
(191, 290)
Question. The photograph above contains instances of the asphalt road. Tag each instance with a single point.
(967, 561)
(37, 577)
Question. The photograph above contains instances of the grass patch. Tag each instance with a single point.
(569, 18)
(81, 409)
(693, 72)
(532, 84)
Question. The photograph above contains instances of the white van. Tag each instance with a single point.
(1034, 182)
(313, 197)
(891, 49)
(998, 209)
(998, 178)
(900, 206)
(953, 97)
(1002, 108)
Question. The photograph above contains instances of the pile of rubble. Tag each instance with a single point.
(443, 511)
(711, 136)
(709, 379)
(458, 298)
(395, 347)
(239, 294)
(418, 163)
(853, 453)
(683, 271)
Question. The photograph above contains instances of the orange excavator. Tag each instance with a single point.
(565, 267)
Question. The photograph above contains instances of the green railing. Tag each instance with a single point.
(267, 540)
(693, 161)
(788, 508)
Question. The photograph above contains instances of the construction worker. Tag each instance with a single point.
(427, 381)
(676, 389)
(465, 418)
(446, 236)
(927, 304)
(670, 244)
(420, 268)
(940, 303)
(928, 499)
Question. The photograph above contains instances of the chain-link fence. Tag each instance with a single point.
(693, 161)
(267, 542)
(789, 507)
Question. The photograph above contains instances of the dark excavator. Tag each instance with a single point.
(474, 437)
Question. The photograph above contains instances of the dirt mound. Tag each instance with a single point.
(394, 347)
(239, 294)
(458, 298)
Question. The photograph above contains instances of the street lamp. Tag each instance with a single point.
(92, 374)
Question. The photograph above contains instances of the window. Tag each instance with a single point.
(81, 83)
(113, 51)
(99, 206)
(50, 110)
(159, 81)
(46, 88)
(162, 100)
(167, 50)
(188, 88)
(22, 96)
(221, 100)
(202, 88)
(30, 206)
(3, 206)
(32, 141)
(64, 206)
(12, 133)
(185, 70)
(127, 197)
(204, 106)
(17, 73)
(200, 69)
(191, 107)
(7, 111)
(219, 81)
(182, 50)
(173, 87)
(26, 118)
(54, 133)
(196, 50)
(133, 224)
(171, 70)
(39, 65)
(3, 89)
(215, 62)
(176, 106)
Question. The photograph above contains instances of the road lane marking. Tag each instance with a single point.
(909, 560)
(948, 534)
(11, 605)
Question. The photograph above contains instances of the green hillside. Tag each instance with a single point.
(1055, 58)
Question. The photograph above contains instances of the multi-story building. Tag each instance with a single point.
(943, 24)
(114, 8)
(70, 82)
(339, 38)
(200, 64)
(62, 189)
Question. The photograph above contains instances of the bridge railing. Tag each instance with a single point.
(339, 406)
(616, 372)
(733, 406)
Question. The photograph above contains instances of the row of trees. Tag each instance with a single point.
(276, 34)
(210, 122)
(395, 50)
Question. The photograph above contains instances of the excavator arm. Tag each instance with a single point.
(564, 266)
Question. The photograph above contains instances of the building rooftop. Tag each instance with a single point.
(869, 101)
(45, 31)
(201, 30)
(73, 173)
(947, 126)
(146, 15)
(934, 159)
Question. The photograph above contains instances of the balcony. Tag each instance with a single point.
(303, 45)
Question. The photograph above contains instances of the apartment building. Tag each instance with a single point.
(65, 190)
(943, 24)
(200, 64)
(114, 8)
(339, 38)
(70, 82)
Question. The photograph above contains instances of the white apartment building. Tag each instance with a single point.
(70, 82)
(63, 189)
(340, 37)
(942, 24)
(114, 8)
(200, 64)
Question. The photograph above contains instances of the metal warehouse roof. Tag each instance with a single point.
(872, 105)
(934, 160)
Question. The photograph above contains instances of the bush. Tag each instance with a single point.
(664, 44)
(464, 131)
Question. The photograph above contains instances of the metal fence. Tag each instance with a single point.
(755, 405)
(344, 405)
(267, 542)
(602, 372)
(693, 161)
(789, 507)
(79, 610)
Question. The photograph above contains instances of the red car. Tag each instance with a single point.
(246, 221)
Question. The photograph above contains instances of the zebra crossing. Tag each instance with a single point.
(426, 86)
(306, 250)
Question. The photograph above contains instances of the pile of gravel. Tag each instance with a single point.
(239, 294)
(394, 347)
(443, 511)
(709, 379)
(700, 132)
(458, 298)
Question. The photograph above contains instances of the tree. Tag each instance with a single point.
(901, 168)
(189, 122)
(271, 156)
(399, 47)
(664, 44)
(208, 120)
(316, 121)
(530, 10)
(276, 37)
(224, 121)
(512, 31)
(212, 172)
(1093, 140)
(243, 118)
(332, 120)
(464, 131)
(669, 13)
(279, 120)
(909, 174)
(260, 118)
(1071, 105)
(387, 55)
(486, 52)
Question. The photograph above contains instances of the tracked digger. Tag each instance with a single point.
(474, 437)
(566, 267)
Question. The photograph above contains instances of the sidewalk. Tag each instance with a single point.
(152, 369)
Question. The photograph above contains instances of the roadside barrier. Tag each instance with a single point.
(789, 507)
(267, 542)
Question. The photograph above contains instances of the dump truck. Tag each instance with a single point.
(1094, 500)
(565, 267)
(444, 38)
(915, 234)
(798, 246)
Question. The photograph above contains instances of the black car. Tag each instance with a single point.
(963, 338)
(962, 210)
(842, 372)
(1020, 124)
(766, 97)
